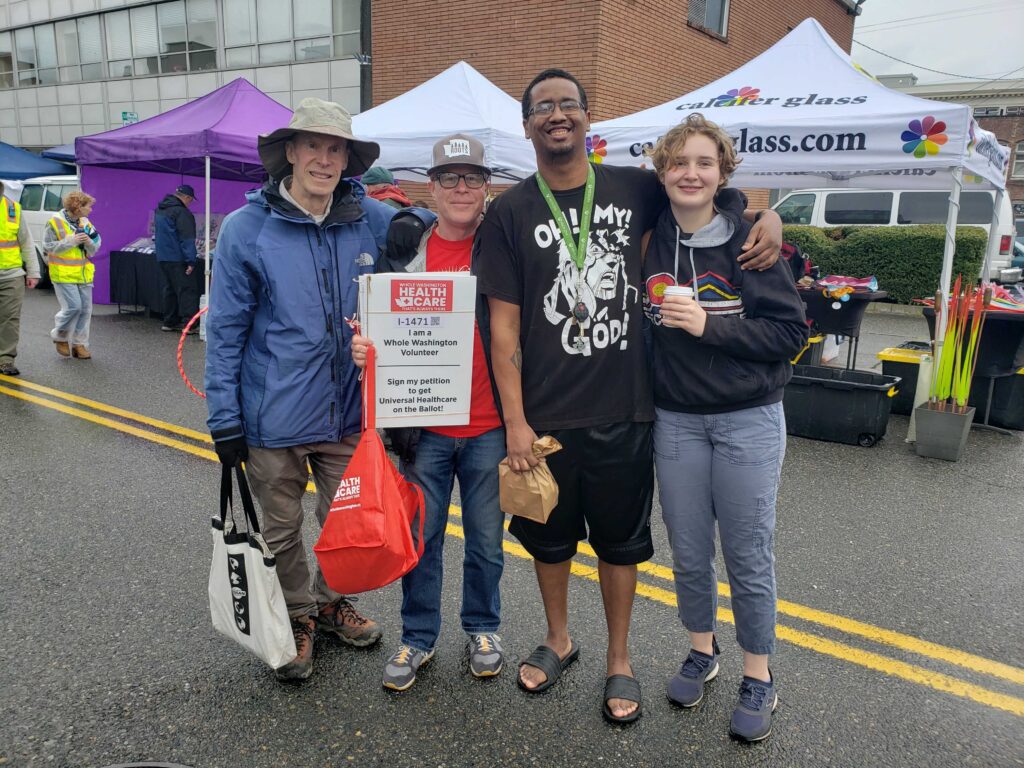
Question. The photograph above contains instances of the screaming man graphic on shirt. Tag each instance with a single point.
(604, 290)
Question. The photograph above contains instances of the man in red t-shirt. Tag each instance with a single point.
(434, 457)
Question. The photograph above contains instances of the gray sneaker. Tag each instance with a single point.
(687, 687)
(400, 669)
(486, 656)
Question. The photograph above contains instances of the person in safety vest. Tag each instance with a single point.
(281, 388)
(70, 241)
(19, 270)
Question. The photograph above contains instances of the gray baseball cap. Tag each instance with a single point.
(458, 149)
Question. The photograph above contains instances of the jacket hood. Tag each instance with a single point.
(169, 201)
(346, 205)
(717, 232)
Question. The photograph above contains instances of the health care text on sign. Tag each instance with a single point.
(422, 327)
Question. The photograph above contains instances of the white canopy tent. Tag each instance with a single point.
(803, 114)
(458, 100)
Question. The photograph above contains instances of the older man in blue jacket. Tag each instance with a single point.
(281, 387)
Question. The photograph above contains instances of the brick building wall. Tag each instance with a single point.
(1010, 131)
(629, 54)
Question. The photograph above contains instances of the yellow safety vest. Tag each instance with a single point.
(10, 251)
(69, 266)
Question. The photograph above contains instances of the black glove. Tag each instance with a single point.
(232, 452)
(403, 240)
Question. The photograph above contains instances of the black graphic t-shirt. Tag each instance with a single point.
(576, 373)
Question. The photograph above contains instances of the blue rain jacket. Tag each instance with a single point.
(278, 364)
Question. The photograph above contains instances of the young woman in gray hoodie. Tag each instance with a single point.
(722, 341)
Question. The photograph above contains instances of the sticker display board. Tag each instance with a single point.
(421, 324)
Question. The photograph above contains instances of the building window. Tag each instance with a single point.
(986, 111)
(347, 21)
(1018, 161)
(6, 61)
(712, 15)
(183, 36)
(1014, 111)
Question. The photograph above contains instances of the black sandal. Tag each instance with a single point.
(621, 687)
(548, 662)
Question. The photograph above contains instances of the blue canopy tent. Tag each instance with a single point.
(65, 153)
(16, 163)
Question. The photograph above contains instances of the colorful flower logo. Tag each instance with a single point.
(596, 149)
(924, 137)
(737, 97)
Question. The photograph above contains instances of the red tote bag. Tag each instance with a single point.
(367, 542)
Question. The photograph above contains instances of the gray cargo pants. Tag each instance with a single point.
(278, 477)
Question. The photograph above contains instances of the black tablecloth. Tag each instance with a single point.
(135, 279)
(1001, 348)
(844, 321)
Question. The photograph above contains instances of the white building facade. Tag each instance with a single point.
(71, 68)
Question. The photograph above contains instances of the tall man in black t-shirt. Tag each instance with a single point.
(559, 260)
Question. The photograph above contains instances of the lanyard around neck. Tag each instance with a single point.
(577, 250)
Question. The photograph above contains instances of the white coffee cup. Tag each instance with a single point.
(679, 290)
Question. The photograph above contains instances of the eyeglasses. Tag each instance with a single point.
(449, 180)
(545, 108)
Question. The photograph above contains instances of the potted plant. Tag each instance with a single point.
(944, 422)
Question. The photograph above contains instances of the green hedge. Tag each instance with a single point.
(906, 260)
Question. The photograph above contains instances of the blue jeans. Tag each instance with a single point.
(71, 324)
(724, 467)
(439, 461)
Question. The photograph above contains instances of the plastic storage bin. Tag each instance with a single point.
(904, 361)
(838, 405)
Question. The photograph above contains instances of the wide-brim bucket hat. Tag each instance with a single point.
(316, 116)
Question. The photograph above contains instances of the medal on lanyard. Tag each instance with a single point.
(577, 249)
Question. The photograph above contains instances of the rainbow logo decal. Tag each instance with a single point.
(597, 149)
(924, 137)
(737, 97)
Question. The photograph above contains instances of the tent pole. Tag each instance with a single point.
(209, 261)
(204, 300)
(942, 302)
(993, 239)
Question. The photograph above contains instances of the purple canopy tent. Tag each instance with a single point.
(209, 143)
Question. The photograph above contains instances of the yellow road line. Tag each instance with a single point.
(105, 422)
(853, 627)
(848, 653)
(828, 647)
(167, 427)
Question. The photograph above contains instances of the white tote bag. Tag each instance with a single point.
(246, 603)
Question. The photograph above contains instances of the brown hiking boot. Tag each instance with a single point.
(62, 348)
(301, 667)
(339, 619)
(77, 350)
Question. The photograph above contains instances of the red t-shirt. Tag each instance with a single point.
(454, 256)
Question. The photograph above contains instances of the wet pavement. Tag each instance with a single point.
(901, 619)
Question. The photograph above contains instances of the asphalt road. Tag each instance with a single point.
(900, 635)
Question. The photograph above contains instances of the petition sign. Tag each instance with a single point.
(422, 327)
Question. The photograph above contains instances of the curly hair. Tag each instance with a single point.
(672, 143)
(77, 200)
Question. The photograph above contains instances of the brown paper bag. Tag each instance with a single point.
(530, 494)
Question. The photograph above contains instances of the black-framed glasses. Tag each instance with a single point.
(545, 108)
(449, 180)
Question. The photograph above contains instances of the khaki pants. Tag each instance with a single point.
(278, 477)
(12, 292)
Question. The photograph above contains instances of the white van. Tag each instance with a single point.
(40, 198)
(893, 207)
